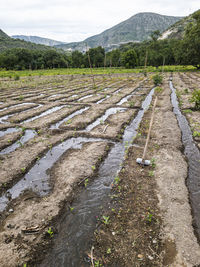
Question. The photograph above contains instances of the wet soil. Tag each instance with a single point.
(149, 216)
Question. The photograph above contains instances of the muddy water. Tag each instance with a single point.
(84, 97)
(7, 131)
(193, 156)
(25, 138)
(108, 112)
(78, 112)
(101, 100)
(47, 112)
(75, 229)
(37, 179)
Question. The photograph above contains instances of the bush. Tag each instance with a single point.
(157, 79)
(196, 99)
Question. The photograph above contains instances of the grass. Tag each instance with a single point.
(81, 71)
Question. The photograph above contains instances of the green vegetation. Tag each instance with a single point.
(106, 220)
(157, 79)
(50, 232)
(196, 99)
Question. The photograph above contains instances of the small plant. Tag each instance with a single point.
(108, 251)
(93, 168)
(86, 182)
(23, 169)
(97, 264)
(71, 209)
(50, 232)
(196, 99)
(21, 97)
(106, 220)
(187, 111)
(196, 134)
(16, 77)
(151, 173)
(158, 89)
(157, 79)
(186, 91)
(153, 163)
(117, 180)
(149, 217)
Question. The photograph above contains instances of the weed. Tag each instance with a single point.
(106, 220)
(50, 232)
(93, 168)
(186, 91)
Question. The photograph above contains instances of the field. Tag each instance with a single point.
(71, 191)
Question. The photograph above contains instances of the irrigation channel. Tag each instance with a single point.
(76, 229)
(192, 154)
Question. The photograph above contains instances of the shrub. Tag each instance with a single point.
(196, 99)
(157, 79)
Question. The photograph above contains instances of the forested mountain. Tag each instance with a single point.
(38, 40)
(136, 29)
(3, 34)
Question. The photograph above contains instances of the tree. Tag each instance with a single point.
(129, 59)
(191, 42)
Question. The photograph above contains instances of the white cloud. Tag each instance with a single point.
(75, 20)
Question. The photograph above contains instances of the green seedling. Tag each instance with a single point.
(86, 182)
(153, 162)
(97, 264)
(158, 89)
(108, 251)
(106, 220)
(116, 180)
(93, 168)
(196, 134)
(151, 173)
(20, 143)
(68, 122)
(23, 169)
(50, 232)
(187, 111)
(71, 209)
(149, 217)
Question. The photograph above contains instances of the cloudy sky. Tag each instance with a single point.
(75, 20)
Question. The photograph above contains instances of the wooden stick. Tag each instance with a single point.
(150, 126)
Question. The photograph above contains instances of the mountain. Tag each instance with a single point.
(135, 29)
(38, 40)
(176, 31)
(3, 34)
(7, 42)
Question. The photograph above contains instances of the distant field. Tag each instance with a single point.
(74, 71)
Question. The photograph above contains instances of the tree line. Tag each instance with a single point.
(154, 52)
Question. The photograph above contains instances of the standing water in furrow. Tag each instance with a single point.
(193, 156)
(37, 179)
(25, 138)
(76, 229)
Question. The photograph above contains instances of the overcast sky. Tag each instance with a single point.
(75, 20)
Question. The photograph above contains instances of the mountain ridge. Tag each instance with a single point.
(38, 40)
(135, 29)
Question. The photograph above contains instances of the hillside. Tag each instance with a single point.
(7, 42)
(135, 29)
(176, 31)
(38, 40)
